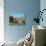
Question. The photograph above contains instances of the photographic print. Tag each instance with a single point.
(17, 19)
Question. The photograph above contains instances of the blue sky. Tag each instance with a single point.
(17, 14)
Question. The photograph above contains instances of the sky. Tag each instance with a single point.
(17, 14)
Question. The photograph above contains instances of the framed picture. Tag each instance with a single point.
(17, 19)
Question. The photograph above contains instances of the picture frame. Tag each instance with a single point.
(17, 19)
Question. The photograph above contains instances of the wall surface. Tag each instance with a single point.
(1, 21)
(43, 6)
(28, 8)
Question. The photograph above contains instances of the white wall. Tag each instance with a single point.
(43, 6)
(1, 21)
